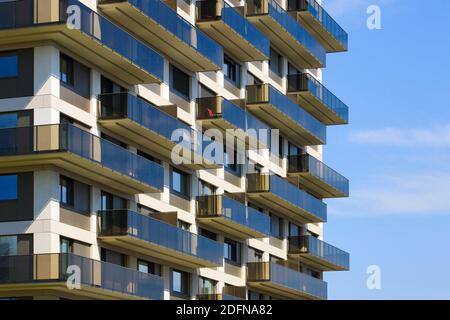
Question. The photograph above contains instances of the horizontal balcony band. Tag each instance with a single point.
(229, 27)
(281, 196)
(286, 34)
(78, 151)
(95, 39)
(160, 26)
(285, 282)
(138, 120)
(222, 114)
(137, 232)
(317, 21)
(24, 274)
(224, 213)
(317, 99)
(280, 112)
(318, 253)
(317, 177)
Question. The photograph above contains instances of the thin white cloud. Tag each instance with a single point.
(401, 194)
(438, 136)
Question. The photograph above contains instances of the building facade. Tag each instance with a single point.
(93, 202)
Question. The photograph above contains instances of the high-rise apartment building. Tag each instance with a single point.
(94, 202)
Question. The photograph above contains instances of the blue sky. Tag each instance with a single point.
(396, 151)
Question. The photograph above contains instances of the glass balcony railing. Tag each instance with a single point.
(308, 164)
(322, 16)
(257, 183)
(310, 245)
(133, 224)
(265, 93)
(29, 13)
(208, 10)
(53, 267)
(304, 82)
(210, 108)
(276, 12)
(68, 138)
(276, 274)
(169, 19)
(223, 206)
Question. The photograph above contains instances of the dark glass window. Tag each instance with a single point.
(180, 82)
(294, 230)
(112, 202)
(205, 92)
(8, 120)
(207, 286)
(108, 86)
(8, 187)
(74, 195)
(208, 234)
(179, 282)
(232, 251)
(114, 257)
(8, 245)
(230, 162)
(148, 156)
(179, 182)
(113, 140)
(252, 79)
(232, 70)
(206, 189)
(66, 70)
(276, 62)
(183, 225)
(66, 245)
(276, 226)
(149, 267)
(9, 66)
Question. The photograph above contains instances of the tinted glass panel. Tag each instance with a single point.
(8, 187)
(8, 120)
(8, 245)
(8, 66)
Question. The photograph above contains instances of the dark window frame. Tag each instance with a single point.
(187, 193)
(232, 71)
(185, 285)
(175, 83)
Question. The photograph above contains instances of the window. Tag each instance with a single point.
(205, 92)
(8, 120)
(276, 62)
(208, 234)
(108, 86)
(230, 161)
(179, 282)
(74, 195)
(112, 202)
(183, 225)
(149, 267)
(145, 210)
(232, 70)
(180, 82)
(254, 255)
(113, 140)
(180, 183)
(66, 245)
(113, 257)
(294, 230)
(66, 70)
(9, 66)
(292, 69)
(206, 189)
(294, 150)
(148, 157)
(8, 187)
(8, 245)
(276, 226)
(252, 79)
(255, 296)
(207, 286)
(232, 251)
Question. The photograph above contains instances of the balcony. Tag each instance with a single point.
(222, 114)
(279, 195)
(228, 293)
(317, 177)
(133, 231)
(162, 27)
(138, 120)
(286, 34)
(80, 152)
(228, 26)
(282, 113)
(232, 217)
(320, 24)
(96, 40)
(47, 274)
(318, 254)
(284, 282)
(317, 99)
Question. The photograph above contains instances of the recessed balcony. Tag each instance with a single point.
(80, 152)
(136, 232)
(318, 253)
(229, 27)
(224, 213)
(317, 177)
(280, 112)
(96, 39)
(286, 34)
(281, 196)
(317, 99)
(284, 282)
(138, 120)
(163, 28)
(47, 274)
(320, 24)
